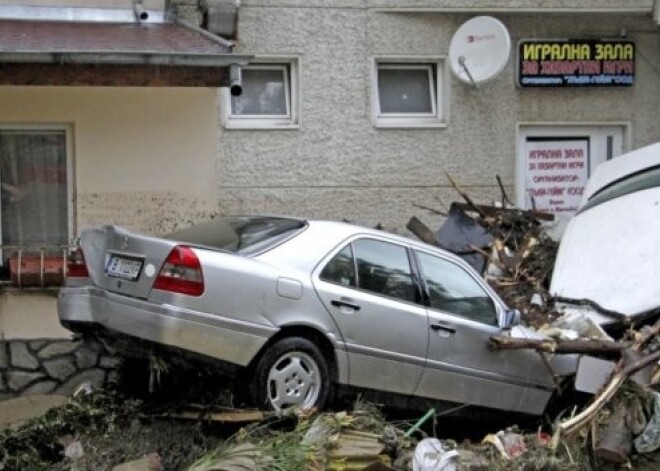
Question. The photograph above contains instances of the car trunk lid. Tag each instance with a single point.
(123, 262)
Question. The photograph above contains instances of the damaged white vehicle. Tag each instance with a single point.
(608, 264)
(304, 307)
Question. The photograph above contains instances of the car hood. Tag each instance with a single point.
(610, 254)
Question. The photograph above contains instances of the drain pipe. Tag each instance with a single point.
(235, 82)
(141, 14)
(656, 12)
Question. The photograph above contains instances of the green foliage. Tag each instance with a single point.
(35, 444)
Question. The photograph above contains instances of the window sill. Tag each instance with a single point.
(398, 123)
(258, 125)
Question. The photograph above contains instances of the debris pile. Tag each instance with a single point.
(508, 246)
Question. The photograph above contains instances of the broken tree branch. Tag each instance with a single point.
(500, 342)
(464, 195)
(492, 211)
(620, 374)
(505, 197)
(431, 210)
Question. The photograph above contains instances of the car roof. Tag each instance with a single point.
(322, 236)
(622, 166)
(344, 230)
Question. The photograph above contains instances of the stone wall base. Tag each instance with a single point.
(53, 366)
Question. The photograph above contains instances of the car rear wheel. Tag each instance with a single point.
(292, 373)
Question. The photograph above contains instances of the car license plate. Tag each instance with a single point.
(123, 267)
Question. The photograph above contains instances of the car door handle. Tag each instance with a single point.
(444, 328)
(342, 303)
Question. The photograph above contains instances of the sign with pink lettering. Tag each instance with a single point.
(556, 172)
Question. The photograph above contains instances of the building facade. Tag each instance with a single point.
(350, 110)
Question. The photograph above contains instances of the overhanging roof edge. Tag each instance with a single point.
(126, 58)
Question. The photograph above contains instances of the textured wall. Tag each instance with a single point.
(338, 165)
(142, 157)
(55, 366)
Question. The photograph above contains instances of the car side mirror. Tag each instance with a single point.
(508, 318)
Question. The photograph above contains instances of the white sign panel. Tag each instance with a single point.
(556, 172)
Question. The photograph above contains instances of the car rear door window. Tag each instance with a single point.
(452, 289)
(340, 269)
(384, 268)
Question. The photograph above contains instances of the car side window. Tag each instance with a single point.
(452, 289)
(384, 268)
(340, 269)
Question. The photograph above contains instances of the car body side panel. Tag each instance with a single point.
(386, 339)
(462, 368)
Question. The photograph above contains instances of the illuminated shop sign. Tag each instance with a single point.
(576, 63)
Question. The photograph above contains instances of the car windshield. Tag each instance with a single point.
(643, 180)
(245, 235)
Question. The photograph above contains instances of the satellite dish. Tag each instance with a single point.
(479, 50)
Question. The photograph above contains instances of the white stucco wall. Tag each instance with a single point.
(338, 165)
(143, 157)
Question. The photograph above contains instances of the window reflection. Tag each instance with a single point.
(384, 268)
(453, 290)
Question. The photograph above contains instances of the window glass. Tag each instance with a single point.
(384, 268)
(34, 196)
(648, 178)
(453, 290)
(406, 89)
(340, 269)
(264, 92)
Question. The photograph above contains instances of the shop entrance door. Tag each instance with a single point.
(554, 163)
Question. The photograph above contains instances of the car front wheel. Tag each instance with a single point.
(292, 373)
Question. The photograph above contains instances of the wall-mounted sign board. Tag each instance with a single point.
(576, 63)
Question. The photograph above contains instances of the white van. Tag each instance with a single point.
(608, 264)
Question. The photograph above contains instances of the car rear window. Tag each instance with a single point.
(245, 234)
(643, 180)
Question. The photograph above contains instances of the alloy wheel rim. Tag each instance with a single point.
(294, 380)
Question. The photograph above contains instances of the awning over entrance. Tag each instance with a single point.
(113, 54)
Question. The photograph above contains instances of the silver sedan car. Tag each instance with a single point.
(304, 307)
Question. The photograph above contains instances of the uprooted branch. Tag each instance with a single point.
(621, 372)
(584, 346)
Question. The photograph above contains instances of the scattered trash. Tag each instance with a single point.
(84, 388)
(649, 440)
(432, 455)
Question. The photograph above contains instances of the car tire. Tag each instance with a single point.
(292, 372)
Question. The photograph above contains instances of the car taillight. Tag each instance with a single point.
(181, 273)
(76, 267)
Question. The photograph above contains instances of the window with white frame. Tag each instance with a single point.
(35, 193)
(408, 94)
(269, 98)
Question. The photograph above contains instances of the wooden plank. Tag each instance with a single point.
(421, 230)
(235, 416)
